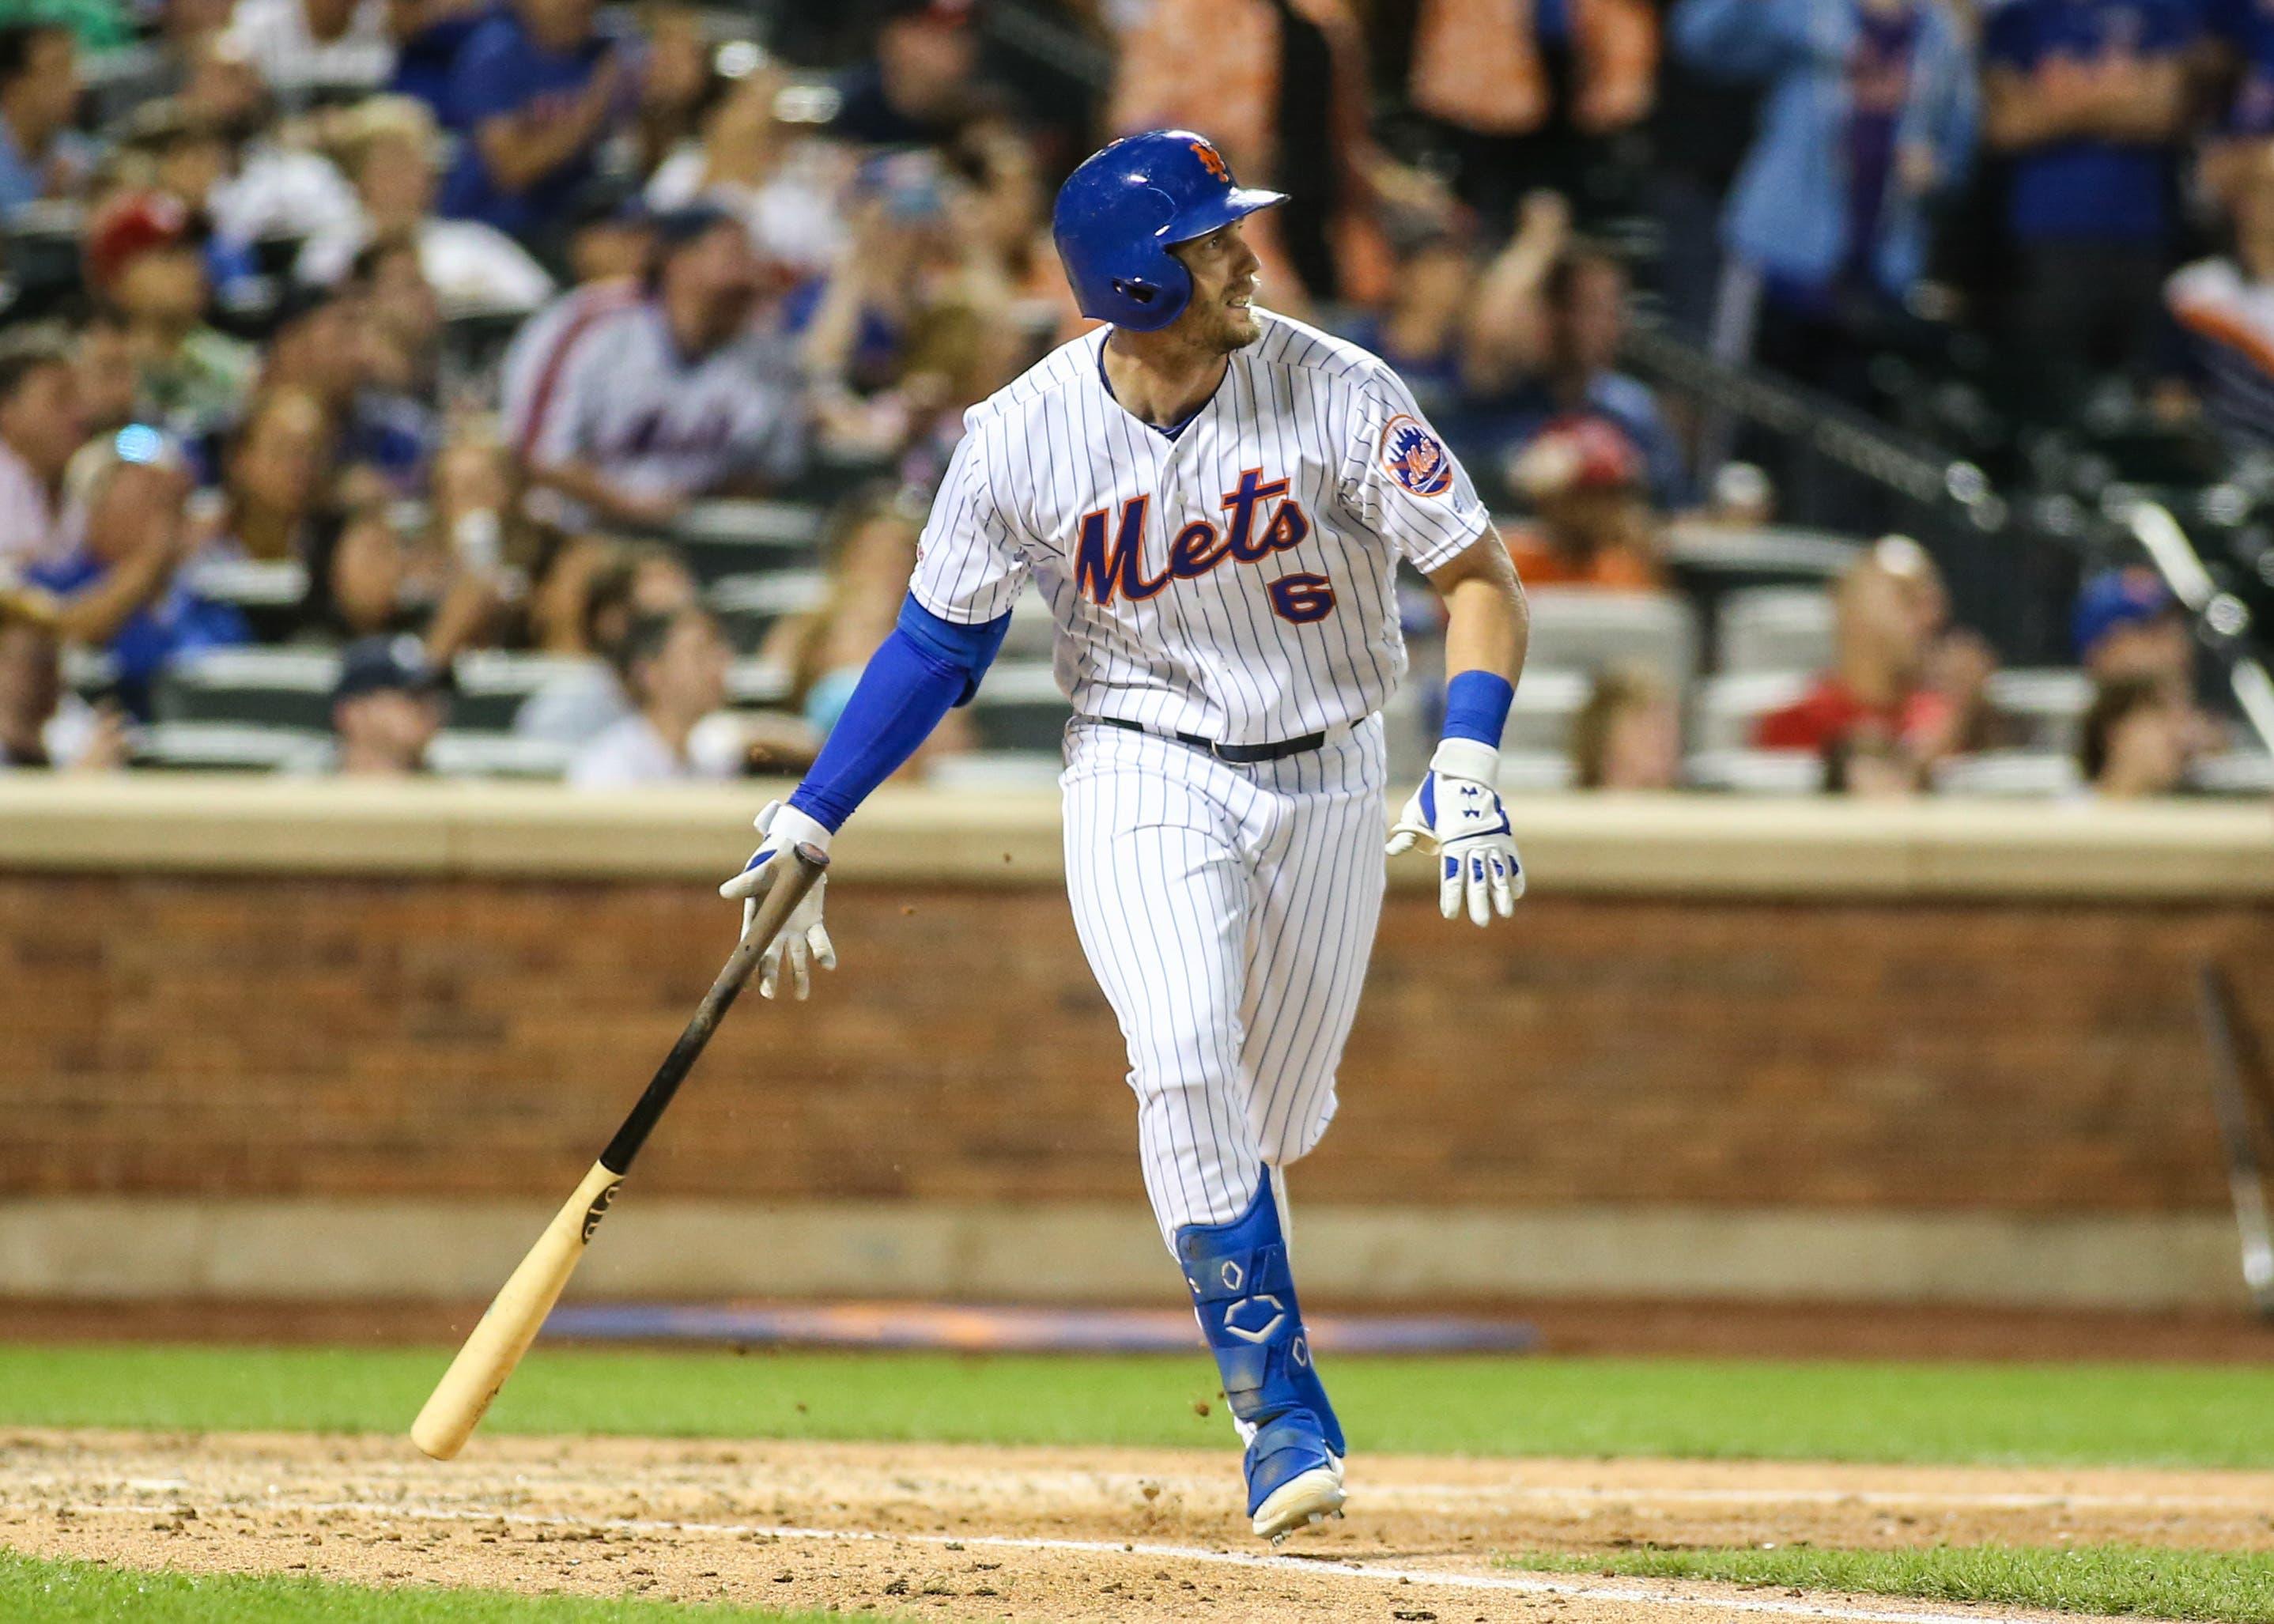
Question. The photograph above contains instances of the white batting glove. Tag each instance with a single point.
(1457, 814)
(804, 940)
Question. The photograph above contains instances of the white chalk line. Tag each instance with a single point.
(1291, 1567)
(1471, 1497)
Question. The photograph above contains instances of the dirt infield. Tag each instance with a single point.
(1047, 1536)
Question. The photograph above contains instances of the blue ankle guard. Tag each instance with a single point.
(1245, 1299)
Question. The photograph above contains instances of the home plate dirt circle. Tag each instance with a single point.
(1046, 1536)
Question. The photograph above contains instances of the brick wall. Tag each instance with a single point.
(366, 1036)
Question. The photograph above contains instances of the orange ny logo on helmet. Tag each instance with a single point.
(1214, 160)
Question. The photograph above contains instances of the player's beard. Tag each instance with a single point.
(1230, 328)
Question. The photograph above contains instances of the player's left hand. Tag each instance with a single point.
(804, 941)
(1457, 814)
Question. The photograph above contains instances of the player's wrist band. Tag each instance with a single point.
(1476, 706)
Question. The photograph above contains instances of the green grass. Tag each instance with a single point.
(2233, 1588)
(91, 1593)
(2002, 1414)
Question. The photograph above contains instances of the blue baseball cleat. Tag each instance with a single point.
(1244, 1295)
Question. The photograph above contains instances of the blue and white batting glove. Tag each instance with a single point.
(803, 941)
(1457, 814)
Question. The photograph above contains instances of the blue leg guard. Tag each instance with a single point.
(1244, 1297)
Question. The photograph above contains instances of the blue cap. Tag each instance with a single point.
(2116, 598)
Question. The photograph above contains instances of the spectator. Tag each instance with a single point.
(276, 470)
(43, 422)
(872, 549)
(390, 147)
(922, 85)
(1422, 332)
(2088, 99)
(1869, 762)
(427, 36)
(144, 263)
(665, 396)
(120, 587)
(2224, 306)
(1528, 94)
(632, 585)
(366, 353)
(307, 49)
(42, 724)
(917, 316)
(2137, 740)
(1549, 318)
(1583, 481)
(533, 96)
(1870, 113)
(1282, 90)
(40, 156)
(2128, 625)
(366, 578)
(744, 159)
(1628, 734)
(386, 706)
(674, 668)
(1893, 615)
(109, 386)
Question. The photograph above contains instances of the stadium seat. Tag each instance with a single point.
(749, 605)
(269, 594)
(1033, 631)
(1774, 629)
(2237, 773)
(995, 769)
(1546, 702)
(2009, 775)
(458, 753)
(1738, 559)
(277, 688)
(758, 684)
(89, 672)
(1020, 708)
(230, 747)
(1756, 772)
(1577, 629)
(2048, 704)
(1728, 706)
(492, 685)
(724, 538)
(1532, 772)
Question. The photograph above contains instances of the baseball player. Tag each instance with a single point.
(1214, 500)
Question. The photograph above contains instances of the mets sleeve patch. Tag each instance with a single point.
(1414, 457)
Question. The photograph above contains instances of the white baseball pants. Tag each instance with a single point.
(1228, 914)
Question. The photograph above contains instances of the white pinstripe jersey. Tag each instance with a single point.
(1236, 580)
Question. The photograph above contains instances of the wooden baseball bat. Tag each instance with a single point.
(510, 1323)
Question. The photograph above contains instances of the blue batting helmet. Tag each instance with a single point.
(1119, 214)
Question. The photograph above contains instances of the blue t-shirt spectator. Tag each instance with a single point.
(1484, 431)
(2083, 186)
(425, 61)
(178, 623)
(1860, 100)
(505, 73)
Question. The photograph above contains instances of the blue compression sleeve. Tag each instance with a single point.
(1476, 706)
(926, 668)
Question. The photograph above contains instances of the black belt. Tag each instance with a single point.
(1237, 755)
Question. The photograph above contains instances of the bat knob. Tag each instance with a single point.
(812, 855)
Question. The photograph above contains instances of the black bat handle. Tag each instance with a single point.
(807, 863)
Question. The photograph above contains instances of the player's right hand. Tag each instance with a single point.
(804, 940)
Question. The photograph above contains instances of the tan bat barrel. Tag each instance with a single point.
(511, 1322)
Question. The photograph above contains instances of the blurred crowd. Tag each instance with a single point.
(447, 315)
